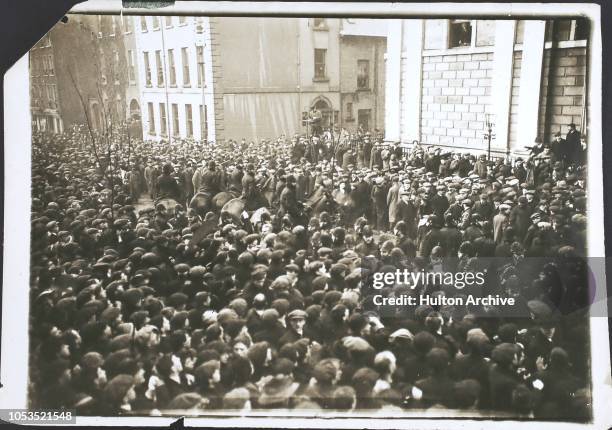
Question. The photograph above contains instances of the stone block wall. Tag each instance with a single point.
(562, 101)
(455, 98)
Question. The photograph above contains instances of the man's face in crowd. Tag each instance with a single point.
(366, 330)
(368, 239)
(298, 324)
(292, 275)
(529, 198)
(253, 247)
(240, 349)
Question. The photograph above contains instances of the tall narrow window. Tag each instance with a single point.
(189, 120)
(116, 65)
(168, 20)
(127, 24)
(147, 65)
(151, 118)
(155, 22)
(203, 123)
(363, 74)
(160, 68)
(51, 71)
(171, 67)
(185, 59)
(143, 23)
(175, 120)
(182, 20)
(319, 63)
(163, 119)
(349, 111)
(131, 69)
(200, 58)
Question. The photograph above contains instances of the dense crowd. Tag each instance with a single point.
(147, 310)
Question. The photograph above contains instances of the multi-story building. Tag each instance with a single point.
(79, 75)
(255, 78)
(44, 98)
(363, 44)
(132, 92)
(273, 70)
(209, 79)
(172, 57)
(448, 79)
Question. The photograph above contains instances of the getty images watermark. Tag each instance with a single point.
(514, 286)
(458, 280)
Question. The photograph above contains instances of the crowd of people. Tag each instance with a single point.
(142, 310)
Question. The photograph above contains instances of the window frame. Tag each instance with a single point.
(176, 122)
(349, 112)
(171, 68)
(144, 25)
(131, 66)
(159, 68)
(151, 112)
(186, 70)
(317, 77)
(188, 120)
(127, 24)
(147, 69)
(200, 66)
(473, 30)
(155, 20)
(203, 122)
(367, 86)
(163, 120)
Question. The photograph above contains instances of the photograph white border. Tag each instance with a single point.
(17, 201)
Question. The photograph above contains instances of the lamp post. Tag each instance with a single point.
(489, 134)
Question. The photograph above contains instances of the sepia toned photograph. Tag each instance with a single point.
(313, 216)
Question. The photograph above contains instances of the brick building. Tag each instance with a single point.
(446, 79)
(44, 97)
(78, 71)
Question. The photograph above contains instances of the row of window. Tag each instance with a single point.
(39, 92)
(176, 131)
(171, 66)
(155, 21)
(363, 69)
(128, 27)
(42, 65)
(480, 33)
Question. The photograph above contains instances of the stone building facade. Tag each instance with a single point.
(447, 80)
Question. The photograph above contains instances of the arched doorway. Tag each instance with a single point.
(325, 107)
(134, 110)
